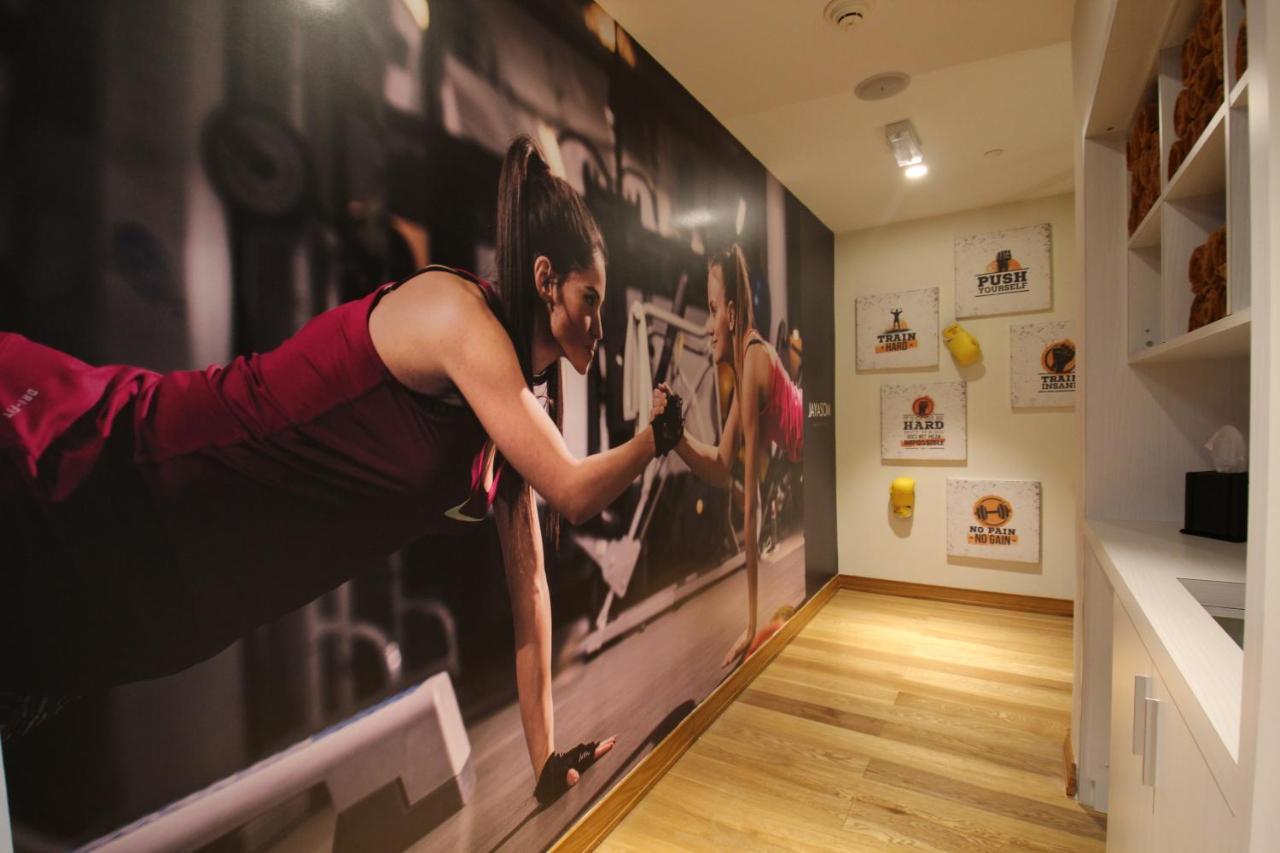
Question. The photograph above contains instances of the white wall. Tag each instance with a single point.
(1036, 444)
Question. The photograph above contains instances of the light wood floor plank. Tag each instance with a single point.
(888, 724)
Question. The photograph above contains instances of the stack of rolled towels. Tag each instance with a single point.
(1143, 157)
(1242, 47)
(1207, 271)
(1202, 83)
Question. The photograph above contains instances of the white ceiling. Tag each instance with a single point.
(985, 74)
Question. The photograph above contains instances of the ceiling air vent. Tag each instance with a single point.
(847, 14)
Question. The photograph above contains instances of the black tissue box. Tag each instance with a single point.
(1217, 505)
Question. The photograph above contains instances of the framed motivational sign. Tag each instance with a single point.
(1042, 364)
(923, 421)
(1004, 272)
(897, 330)
(995, 519)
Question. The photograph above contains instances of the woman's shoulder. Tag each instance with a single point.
(420, 321)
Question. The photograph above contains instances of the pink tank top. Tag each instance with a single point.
(782, 417)
(193, 506)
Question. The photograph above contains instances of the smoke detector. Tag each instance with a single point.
(881, 86)
(848, 14)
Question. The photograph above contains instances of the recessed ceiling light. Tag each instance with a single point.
(993, 153)
(919, 170)
(880, 86)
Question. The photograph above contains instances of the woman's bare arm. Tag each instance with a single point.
(712, 463)
(437, 330)
(521, 542)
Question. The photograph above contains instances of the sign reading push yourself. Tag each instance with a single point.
(925, 421)
(898, 329)
(994, 519)
(1042, 364)
(1004, 272)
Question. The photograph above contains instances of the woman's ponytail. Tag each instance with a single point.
(539, 214)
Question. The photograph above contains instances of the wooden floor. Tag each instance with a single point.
(887, 724)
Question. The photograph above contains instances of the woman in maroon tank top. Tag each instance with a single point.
(151, 520)
(766, 409)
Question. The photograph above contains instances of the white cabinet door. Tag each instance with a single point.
(1130, 802)
(1190, 813)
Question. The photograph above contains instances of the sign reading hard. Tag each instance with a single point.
(898, 329)
(1004, 272)
(994, 519)
(925, 421)
(1042, 364)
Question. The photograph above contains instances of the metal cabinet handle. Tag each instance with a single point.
(1152, 733)
(1141, 690)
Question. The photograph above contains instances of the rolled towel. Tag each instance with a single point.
(1195, 268)
(1218, 252)
(1192, 52)
(1186, 106)
(1206, 78)
(1178, 153)
(1242, 49)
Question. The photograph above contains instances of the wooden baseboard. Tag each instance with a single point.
(1003, 600)
(1073, 780)
(611, 808)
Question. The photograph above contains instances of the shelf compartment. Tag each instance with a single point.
(1233, 14)
(1238, 232)
(1205, 169)
(1221, 339)
(1187, 223)
(1145, 305)
(1147, 233)
(1240, 93)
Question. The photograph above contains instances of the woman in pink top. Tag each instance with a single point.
(151, 520)
(766, 409)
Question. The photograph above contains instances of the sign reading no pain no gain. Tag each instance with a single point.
(1004, 272)
(996, 519)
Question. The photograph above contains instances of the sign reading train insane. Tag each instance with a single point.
(1004, 272)
(926, 421)
(898, 329)
(1042, 364)
(993, 519)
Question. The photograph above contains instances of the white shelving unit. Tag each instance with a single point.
(1153, 393)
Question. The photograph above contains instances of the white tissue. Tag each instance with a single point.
(1228, 449)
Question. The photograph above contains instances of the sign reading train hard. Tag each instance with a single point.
(925, 421)
(1004, 272)
(994, 519)
(898, 329)
(1042, 364)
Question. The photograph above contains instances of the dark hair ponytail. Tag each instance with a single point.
(538, 214)
(737, 287)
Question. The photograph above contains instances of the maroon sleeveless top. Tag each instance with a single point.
(154, 519)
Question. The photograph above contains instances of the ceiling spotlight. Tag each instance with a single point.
(904, 143)
(916, 171)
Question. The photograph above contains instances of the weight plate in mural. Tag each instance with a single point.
(258, 163)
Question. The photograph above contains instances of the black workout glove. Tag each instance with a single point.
(551, 781)
(668, 427)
